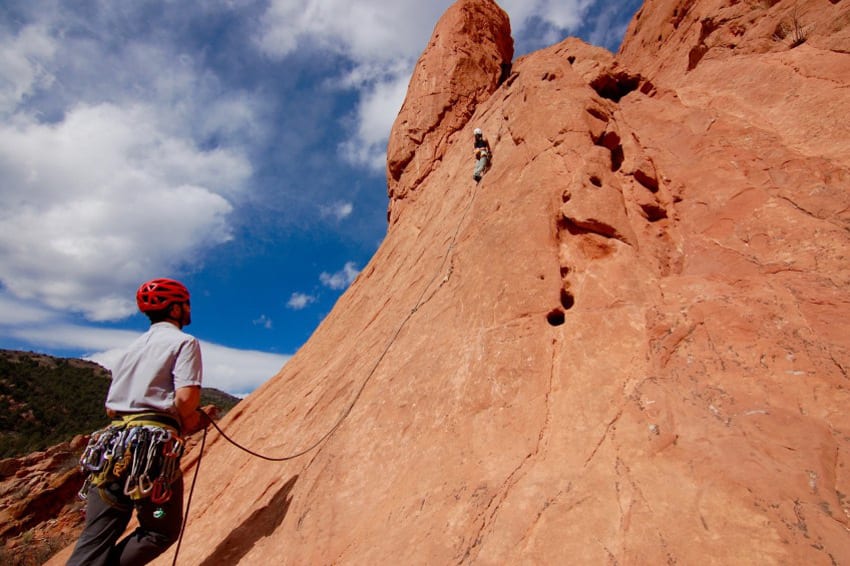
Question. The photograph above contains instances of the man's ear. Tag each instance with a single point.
(172, 313)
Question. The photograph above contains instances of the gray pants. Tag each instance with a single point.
(107, 514)
(480, 167)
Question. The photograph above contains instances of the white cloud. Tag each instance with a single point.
(608, 30)
(238, 372)
(300, 301)
(364, 31)
(97, 202)
(234, 371)
(382, 39)
(15, 312)
(73, 336)
(370, 31)
(338, 210)
(376, 110)
(115, 170)
(341, 279)
(563, 14)
(20, 69)
(263, 321)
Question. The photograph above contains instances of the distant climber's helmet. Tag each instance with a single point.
(159, 294)
(477, 132)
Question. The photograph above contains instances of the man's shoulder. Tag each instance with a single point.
(171, 332)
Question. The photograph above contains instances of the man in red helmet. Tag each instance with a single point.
(134, 463)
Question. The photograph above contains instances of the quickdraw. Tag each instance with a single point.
(143, 456)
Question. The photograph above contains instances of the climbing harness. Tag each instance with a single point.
(142, 452)
(347, 411)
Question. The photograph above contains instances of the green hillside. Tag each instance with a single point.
(46, 400)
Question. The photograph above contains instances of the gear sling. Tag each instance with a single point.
(139, 451)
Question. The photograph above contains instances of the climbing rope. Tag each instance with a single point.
(419, 303)
(191, 490)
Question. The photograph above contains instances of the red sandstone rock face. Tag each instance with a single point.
(469, 54)
(39, 510)
(629, 344)
(669, 38)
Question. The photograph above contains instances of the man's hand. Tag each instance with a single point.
(192, 424)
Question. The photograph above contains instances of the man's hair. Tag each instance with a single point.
(158, 316)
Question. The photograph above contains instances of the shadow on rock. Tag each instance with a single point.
(260, 524)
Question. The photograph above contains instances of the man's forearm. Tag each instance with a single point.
(186, 401)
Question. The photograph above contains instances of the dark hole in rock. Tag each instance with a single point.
(567, 300)
(615, 86)
(653, 212)
(556, 317)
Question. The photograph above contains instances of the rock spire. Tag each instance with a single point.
(629, 344)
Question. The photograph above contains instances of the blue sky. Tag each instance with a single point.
(235, 145)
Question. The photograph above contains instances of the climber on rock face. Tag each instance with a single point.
(134, 464)
(482, 155)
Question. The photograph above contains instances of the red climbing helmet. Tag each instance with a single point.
(158, 294)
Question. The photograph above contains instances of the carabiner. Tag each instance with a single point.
(130, 486)
(83, 494)
(145, 485)
(161, 491)
(174, 449)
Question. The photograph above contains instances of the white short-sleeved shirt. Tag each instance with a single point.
(155, 365)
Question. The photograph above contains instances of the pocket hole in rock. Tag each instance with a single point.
(567, 300)
(556, 317)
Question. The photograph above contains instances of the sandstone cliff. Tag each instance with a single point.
(628, 345)
(40, 512)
